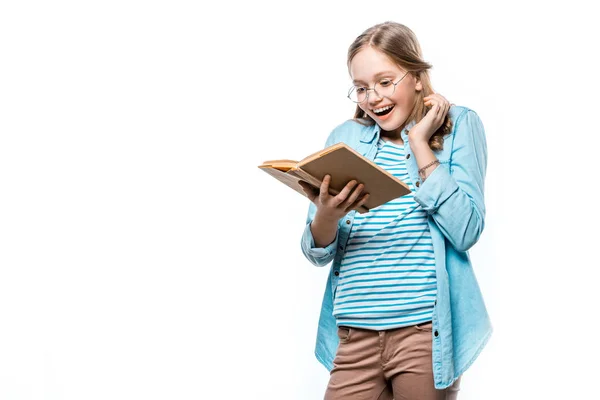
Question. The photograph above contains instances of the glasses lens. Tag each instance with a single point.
(357, 94)
(385, 88)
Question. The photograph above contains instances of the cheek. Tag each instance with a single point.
(399, 98)
(406, 98)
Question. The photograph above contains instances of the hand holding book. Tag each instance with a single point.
(336, 206)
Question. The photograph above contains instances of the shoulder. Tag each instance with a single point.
(467, 130)
(465, 122)
(349, 131)
(458, 114)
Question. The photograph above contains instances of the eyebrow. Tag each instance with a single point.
(377, 76)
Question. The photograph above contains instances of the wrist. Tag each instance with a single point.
(417, 144)
(324, 219)
(426, 170)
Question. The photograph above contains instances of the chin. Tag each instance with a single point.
(391, 124)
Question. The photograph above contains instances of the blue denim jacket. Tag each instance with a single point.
(452, 196)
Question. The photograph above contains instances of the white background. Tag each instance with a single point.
(143, 255)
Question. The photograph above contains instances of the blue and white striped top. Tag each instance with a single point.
(387, 276)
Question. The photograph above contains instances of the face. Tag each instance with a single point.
(370, 66)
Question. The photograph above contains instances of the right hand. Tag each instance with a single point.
(335, 207)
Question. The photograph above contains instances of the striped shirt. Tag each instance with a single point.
(387, 276)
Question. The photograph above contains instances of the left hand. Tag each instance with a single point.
(432, 121)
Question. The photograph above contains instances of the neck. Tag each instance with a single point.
(395, 134)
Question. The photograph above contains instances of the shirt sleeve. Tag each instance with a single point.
(319, 256)
(453, 195)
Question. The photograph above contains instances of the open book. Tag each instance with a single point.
(343, 164)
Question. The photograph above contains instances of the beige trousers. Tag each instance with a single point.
(385, 365)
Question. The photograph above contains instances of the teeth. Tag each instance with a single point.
(382, 109)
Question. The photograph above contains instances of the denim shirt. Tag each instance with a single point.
(453, 197)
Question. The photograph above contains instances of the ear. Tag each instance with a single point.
(418, 85)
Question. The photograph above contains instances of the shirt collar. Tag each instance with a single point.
(404, 133)
(374, 130)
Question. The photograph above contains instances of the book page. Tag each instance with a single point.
(282, 165)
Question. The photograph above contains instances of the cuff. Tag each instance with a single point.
(317, 252)
(436, 189)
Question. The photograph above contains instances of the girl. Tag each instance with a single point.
(402, 315)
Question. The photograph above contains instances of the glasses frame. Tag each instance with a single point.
(373, 89)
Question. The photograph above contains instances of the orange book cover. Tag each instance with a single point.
(343, 164)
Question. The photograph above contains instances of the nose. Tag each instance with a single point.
(374, 97)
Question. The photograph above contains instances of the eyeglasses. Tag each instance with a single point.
(383, 88)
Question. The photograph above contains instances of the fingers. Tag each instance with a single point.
(342, 196)
(325, 197)
(444, 105)
(438, 99)
(349, 198)
(324, 192)
(353, 196)
(309, 190)
(359, 203)
(439, 107)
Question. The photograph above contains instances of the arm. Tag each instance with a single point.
(453, 196)
(320, 237)
(318, 255)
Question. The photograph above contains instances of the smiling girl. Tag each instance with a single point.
(402, 315)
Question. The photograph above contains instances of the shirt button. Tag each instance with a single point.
(337, 273)
(341, 247)
(417, 184)
(407, 156)
(348, 221)
(435, 333)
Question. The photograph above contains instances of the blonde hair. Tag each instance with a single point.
(400, 44)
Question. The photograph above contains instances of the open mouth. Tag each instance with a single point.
(380, 112)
